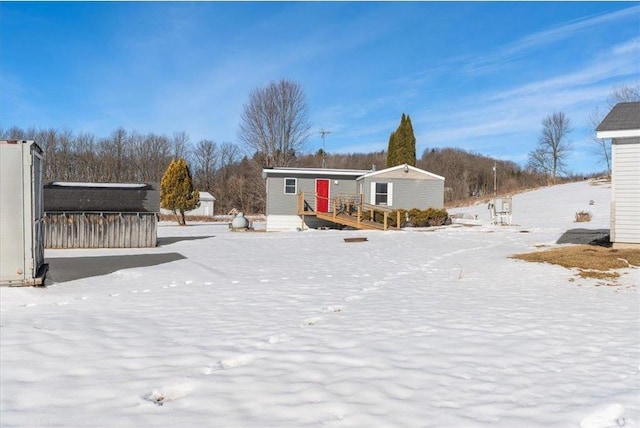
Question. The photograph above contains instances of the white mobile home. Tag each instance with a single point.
(622, 126)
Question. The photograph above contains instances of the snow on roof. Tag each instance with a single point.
(206, 196)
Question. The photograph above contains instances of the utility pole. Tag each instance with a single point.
(324, 154)
(495, 179)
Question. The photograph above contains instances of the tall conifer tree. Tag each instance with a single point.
(176, 190)
(402, 144)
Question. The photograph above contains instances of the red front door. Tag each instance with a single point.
(322, 195)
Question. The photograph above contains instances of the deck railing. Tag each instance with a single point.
(351, 205)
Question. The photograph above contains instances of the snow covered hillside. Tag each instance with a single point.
(413, 328)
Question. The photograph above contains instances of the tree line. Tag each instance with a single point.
(236, 179)
(273, 131)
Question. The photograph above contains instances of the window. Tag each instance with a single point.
(290, 186)
(381, 193)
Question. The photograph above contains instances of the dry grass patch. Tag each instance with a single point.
(592, 261)
(583, 216)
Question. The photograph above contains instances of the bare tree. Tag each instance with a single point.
(619, 94)
(206, 158)
(553, 147)
(274, 122)
(180, 144)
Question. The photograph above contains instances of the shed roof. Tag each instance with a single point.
(206, 196)
(622, 121)
(101, 197)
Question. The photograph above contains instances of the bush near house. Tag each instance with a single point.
(428, 217)
(416, 217)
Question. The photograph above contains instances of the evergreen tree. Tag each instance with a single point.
(402, 144)
(176, 190)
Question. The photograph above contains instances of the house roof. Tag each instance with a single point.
(101, 197)
(623, 121)
(401, 168)
(317, 172)
(206, 196)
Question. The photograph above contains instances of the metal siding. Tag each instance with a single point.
(625, 219)
(22, 249)
(12, 213)
(409, 193)
(280, 204)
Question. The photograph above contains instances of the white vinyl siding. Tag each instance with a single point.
(625, 213)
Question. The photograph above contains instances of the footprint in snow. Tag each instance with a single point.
(133, 291)
(62, 303)
(311, 321)
(335, 308)
(612, 415)
(229, 363)
(28, 305)
(264, 280)
(187, 282)
(114, 294)
(208, 283)
(160, 397)
(239, 361)
(279, 338)
(351, 298)
(235, 282)
(82, 298)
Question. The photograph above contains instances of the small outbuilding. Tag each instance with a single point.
(622, 126)
(100, 215)
(207, 205)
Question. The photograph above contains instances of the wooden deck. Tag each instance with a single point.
(347, 211)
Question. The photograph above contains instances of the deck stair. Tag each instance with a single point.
(351, 221)
(346, 211)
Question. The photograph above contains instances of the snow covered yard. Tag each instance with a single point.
(414, 328)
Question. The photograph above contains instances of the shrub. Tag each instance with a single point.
(417, 217)
(583, 216)
(428, 217)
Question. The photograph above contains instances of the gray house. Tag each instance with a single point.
(622, 126)
(316, 197)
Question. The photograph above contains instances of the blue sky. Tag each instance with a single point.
(480, 76)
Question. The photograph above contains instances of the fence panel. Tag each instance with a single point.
(100, 230)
